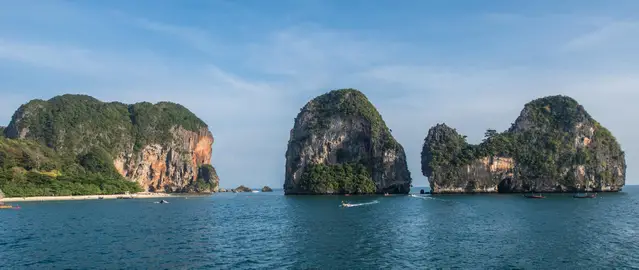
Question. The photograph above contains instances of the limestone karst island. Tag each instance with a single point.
(340, 144)
(78, 145)
(553, 146)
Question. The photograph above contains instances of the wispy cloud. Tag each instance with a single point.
(249, 90)
(80, 61)
(198, 39)
(606, 36)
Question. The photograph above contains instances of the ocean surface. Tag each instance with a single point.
(273, 231)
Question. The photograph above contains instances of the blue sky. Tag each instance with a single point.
(246, 67)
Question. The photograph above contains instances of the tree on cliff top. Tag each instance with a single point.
(542, 140)
(75, 123)
(354, 170)
(28, 168)
(65, 146)
(349, 102)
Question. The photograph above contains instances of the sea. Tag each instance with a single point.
(273, 231)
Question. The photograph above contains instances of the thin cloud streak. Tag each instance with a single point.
(249, 100)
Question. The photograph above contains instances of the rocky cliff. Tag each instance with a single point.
(553, 146)
(161, 146)
(340, 144)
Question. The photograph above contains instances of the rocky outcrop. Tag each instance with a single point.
(340, 144)
(553, 146)
(162, 146)
(267, 189)
(171, 166)
(242, 189)
(1, 195)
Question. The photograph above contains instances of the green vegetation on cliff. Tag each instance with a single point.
(242, 188)
(28, 168)
(75, 123)
(551, 135)
(341, 144)
(338, 178)
(66, 145)
(201, 185)
(349, 103)
(153, 123)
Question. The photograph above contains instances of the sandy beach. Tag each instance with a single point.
(141, 195)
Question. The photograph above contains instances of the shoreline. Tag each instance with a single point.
(141, 195)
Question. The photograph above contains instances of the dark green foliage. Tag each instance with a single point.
(490, 133)
(27, 154)
(554, 112)
(445, 147)
(20, 184)
(2, 131)
(542, 142)
(201, 186)
(359, 156)
(153, 123)
(71, 141)
(97, 161)
(345, 178)
(69, 123)
(206, 172)
(206, 179)
(242, 188)
(350, 103)
(28, 168)
(75, 123)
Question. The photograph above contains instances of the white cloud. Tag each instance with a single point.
(607, 35)
(250, 106)
(81, 61)
(196, 38)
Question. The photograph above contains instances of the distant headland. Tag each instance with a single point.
(78, 145)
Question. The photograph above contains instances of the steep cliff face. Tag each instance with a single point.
(171, 166)
(340, 144)
(160, 146)
(553, 146)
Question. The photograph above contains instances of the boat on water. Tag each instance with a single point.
(344, 204)
(8, 206)
(534, 196)
(162, 201)
(585, 196)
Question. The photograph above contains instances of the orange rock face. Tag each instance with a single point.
(170, 167)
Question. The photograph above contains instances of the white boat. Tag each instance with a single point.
(255, 191)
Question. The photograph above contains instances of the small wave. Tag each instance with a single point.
(421, 197)
(359, 204)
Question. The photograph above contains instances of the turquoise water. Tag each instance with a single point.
(273, 231)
